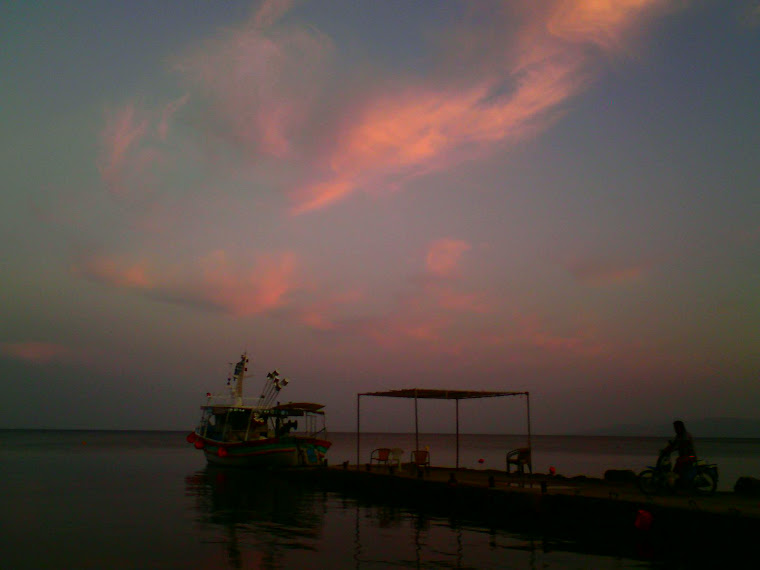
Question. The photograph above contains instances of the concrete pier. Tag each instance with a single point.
(578, 507)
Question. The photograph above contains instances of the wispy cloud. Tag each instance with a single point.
(751, 16)
(531, 331)
(238, 287)
(598, 272)
(608, 24)
(116, 271)
(258, 81)
(131, 145)
(125, 128)
(39, 352)
(424, 316)
(419, 331)
(525, 336)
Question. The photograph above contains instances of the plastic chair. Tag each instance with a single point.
(395, 457)
(380, 455)
(520, 458)
(421, 458)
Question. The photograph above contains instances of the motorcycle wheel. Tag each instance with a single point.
(705, 483)
(648, 482)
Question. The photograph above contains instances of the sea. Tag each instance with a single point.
(147, 499)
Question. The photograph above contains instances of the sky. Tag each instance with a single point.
(553, 196)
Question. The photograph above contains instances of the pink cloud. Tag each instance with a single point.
(263, 87)
(41, 352)
(244, 292)
(425, 317)
(419, 132)
(115, 271)
(443, 256)
(318, 320)
(323, 194)
(237, 287)
(419, 128)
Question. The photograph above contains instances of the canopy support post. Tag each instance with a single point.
(457, 402)
(527, 400)
(416, 424)
(358, 427)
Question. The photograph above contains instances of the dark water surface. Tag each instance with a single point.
(76, 499)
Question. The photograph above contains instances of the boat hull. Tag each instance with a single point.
(280, 452)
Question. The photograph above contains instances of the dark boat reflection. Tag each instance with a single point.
(263, 514)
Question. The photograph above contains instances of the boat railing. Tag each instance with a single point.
(320, 433)
(227, 400)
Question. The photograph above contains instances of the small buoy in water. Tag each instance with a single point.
(643, 520)
(191, 437)
(552, 470)
(222, 452)
(481, 460)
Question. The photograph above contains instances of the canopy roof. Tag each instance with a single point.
(428, 393)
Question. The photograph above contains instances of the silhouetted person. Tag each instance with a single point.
(683, 443)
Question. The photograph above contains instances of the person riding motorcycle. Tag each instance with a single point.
(684, 444)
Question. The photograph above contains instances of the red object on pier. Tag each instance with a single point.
(644, 520)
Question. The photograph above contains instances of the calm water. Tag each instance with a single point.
(146, 500)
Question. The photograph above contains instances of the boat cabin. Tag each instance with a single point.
(250, 423)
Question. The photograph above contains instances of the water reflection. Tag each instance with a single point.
(388, 536)
(281, 520)
(261, 515)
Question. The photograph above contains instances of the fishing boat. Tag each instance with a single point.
(260, 431)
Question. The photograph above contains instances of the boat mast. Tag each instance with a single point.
(240, 369)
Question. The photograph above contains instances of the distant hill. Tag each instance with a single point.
(706, 427)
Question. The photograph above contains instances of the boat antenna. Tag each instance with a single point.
(272, 388)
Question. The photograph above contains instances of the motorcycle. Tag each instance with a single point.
(698, 477)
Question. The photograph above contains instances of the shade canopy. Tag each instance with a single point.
(435, 394)
(430, 394)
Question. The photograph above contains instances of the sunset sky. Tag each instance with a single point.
(559, 196)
